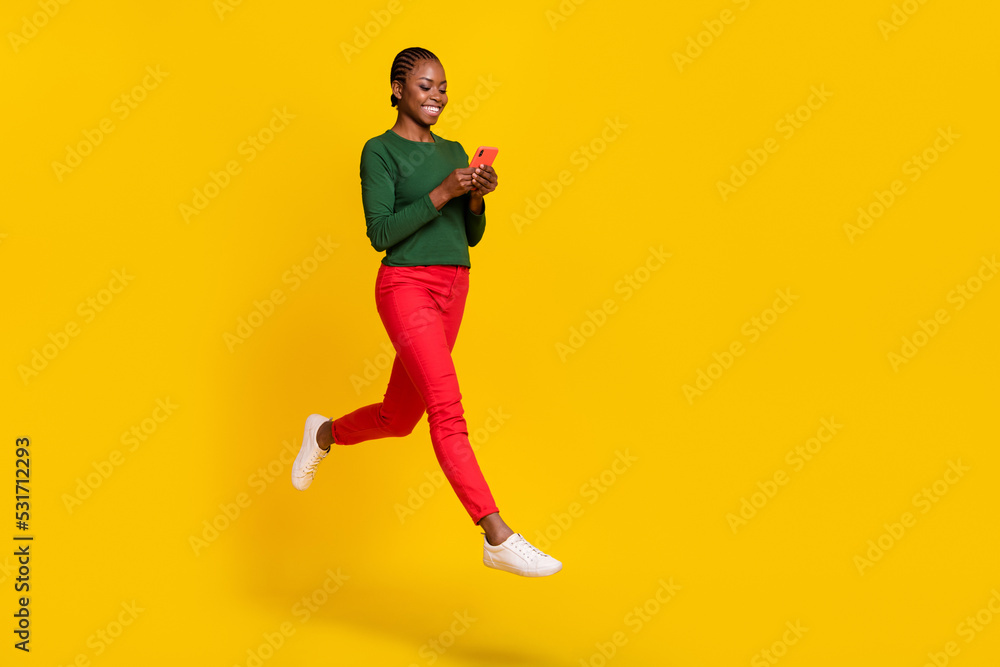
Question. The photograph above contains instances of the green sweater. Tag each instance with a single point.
(397, 176)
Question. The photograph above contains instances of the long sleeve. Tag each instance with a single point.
(387, 227)
(475, 225)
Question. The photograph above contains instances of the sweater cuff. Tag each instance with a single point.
(434, 213)
(476, 216)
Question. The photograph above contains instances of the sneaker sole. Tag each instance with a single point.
(507, 568)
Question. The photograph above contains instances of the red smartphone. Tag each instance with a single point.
(484, 156)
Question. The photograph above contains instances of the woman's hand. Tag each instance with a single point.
(479, 181)
(484, 181)
(456, 184)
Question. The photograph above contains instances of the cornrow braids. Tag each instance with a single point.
(403, 64)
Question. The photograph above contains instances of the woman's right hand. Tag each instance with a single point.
(456, 184)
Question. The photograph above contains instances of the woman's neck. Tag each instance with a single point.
(407, 128)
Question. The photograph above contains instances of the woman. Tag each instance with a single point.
(424, 207)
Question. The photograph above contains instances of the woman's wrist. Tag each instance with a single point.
(439, 197)
(476, 203)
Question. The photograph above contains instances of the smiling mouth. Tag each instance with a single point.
(432, 110)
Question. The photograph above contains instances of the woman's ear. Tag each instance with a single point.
(397, 90)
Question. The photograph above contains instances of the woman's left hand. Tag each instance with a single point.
(484, 181)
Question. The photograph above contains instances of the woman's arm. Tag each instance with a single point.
(387, 227)
(484, 181)
(475, 221)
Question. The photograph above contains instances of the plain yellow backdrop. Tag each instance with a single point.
(755, 429)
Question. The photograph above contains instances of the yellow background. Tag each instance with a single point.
(556, 84)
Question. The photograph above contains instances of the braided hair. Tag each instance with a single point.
(403, 64)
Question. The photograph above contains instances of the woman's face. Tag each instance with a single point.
(424, 96)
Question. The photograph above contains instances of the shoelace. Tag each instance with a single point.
(524, 548)
(310, 468)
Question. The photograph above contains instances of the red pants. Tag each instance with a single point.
(421, 308)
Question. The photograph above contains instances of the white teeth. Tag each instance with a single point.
(434, 109)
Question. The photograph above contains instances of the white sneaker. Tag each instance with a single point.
(310, 454)
(518, 556)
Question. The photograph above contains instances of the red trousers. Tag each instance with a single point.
(421, 308)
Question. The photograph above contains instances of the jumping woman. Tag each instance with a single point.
(424, 207)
